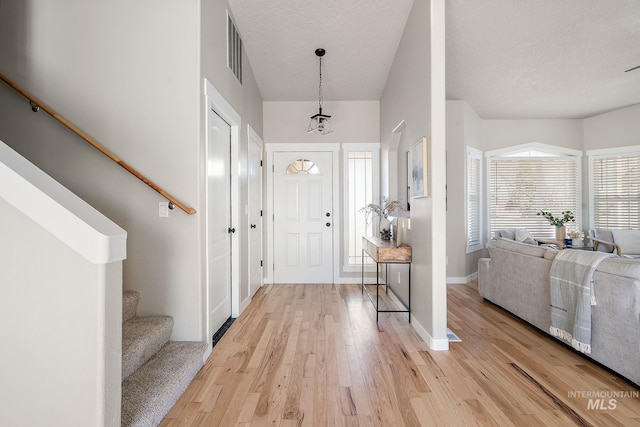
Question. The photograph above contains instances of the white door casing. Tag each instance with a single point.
(216, 102)
(254, 172)
(303, 217)
(218, 221)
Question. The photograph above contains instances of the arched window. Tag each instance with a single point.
(526, 179)
(302, 167)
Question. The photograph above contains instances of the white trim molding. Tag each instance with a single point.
(215, 101)
(51, 205)
(538, 146)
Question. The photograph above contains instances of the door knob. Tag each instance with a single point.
(253, 226)
(328, 214)
(328, 224)
(231, 230)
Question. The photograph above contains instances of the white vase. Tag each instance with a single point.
(385, 229)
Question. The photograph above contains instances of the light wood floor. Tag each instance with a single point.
(312, 355)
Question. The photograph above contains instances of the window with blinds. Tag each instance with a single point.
(616, 191)
(474, 199)
(520, 187)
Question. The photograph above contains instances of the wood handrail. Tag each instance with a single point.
(35, 101)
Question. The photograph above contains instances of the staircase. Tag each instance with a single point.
(155, 371)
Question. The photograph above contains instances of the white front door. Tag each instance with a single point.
(255, 213)
(303, 217)
(218, 221)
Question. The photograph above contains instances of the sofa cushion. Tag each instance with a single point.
(621, 267)
(628, 240)
(523, 248)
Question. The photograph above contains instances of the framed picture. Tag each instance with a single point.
(417, 183)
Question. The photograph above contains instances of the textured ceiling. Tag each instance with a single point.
(544, 58)
(360, 37)
(507, 58)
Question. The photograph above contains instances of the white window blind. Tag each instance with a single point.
(616, 192)
(520, 187)
(474, 199)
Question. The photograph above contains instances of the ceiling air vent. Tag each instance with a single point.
(234, 49)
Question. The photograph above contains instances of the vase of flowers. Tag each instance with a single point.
(559, 223)
(576, 236)
(382, 211)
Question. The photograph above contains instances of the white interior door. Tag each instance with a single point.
(255, 214)
(303, 217)
(218, 221)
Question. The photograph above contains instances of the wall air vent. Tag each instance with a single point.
(234, 49)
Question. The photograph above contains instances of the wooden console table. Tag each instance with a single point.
(386, 252)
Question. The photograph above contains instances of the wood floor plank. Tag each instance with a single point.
(313, 355)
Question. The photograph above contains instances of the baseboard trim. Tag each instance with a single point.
(348, 281)
(462, 280)
(244, 304)
(434, 344)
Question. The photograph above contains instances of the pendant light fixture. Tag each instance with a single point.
(320, 123)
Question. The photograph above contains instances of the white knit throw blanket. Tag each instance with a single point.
(572, 296)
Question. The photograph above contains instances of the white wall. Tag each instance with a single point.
(130, 74)
(618, 128)
(353, 121)
(411, 91)
(463, 129)
(54, 370)
(498, 134)
(61, 262)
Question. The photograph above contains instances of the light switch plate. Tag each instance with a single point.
(163, 209)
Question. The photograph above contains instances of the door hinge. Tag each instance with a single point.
(260, 213)
(260, 163)
(260, 263)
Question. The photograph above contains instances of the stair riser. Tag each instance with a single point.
(129, 305)
(142, 337)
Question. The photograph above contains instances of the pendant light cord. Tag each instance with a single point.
(320, 99)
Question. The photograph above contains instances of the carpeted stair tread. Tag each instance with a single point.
(150, 392)
(142, 337)
(129, 304)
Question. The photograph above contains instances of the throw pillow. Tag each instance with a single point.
(508, 233)
(628, 240)
(523, 235)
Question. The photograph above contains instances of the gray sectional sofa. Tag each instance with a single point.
(516, 277)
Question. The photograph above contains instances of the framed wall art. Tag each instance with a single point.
(417, 169)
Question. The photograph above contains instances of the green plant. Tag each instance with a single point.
(567, 216)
